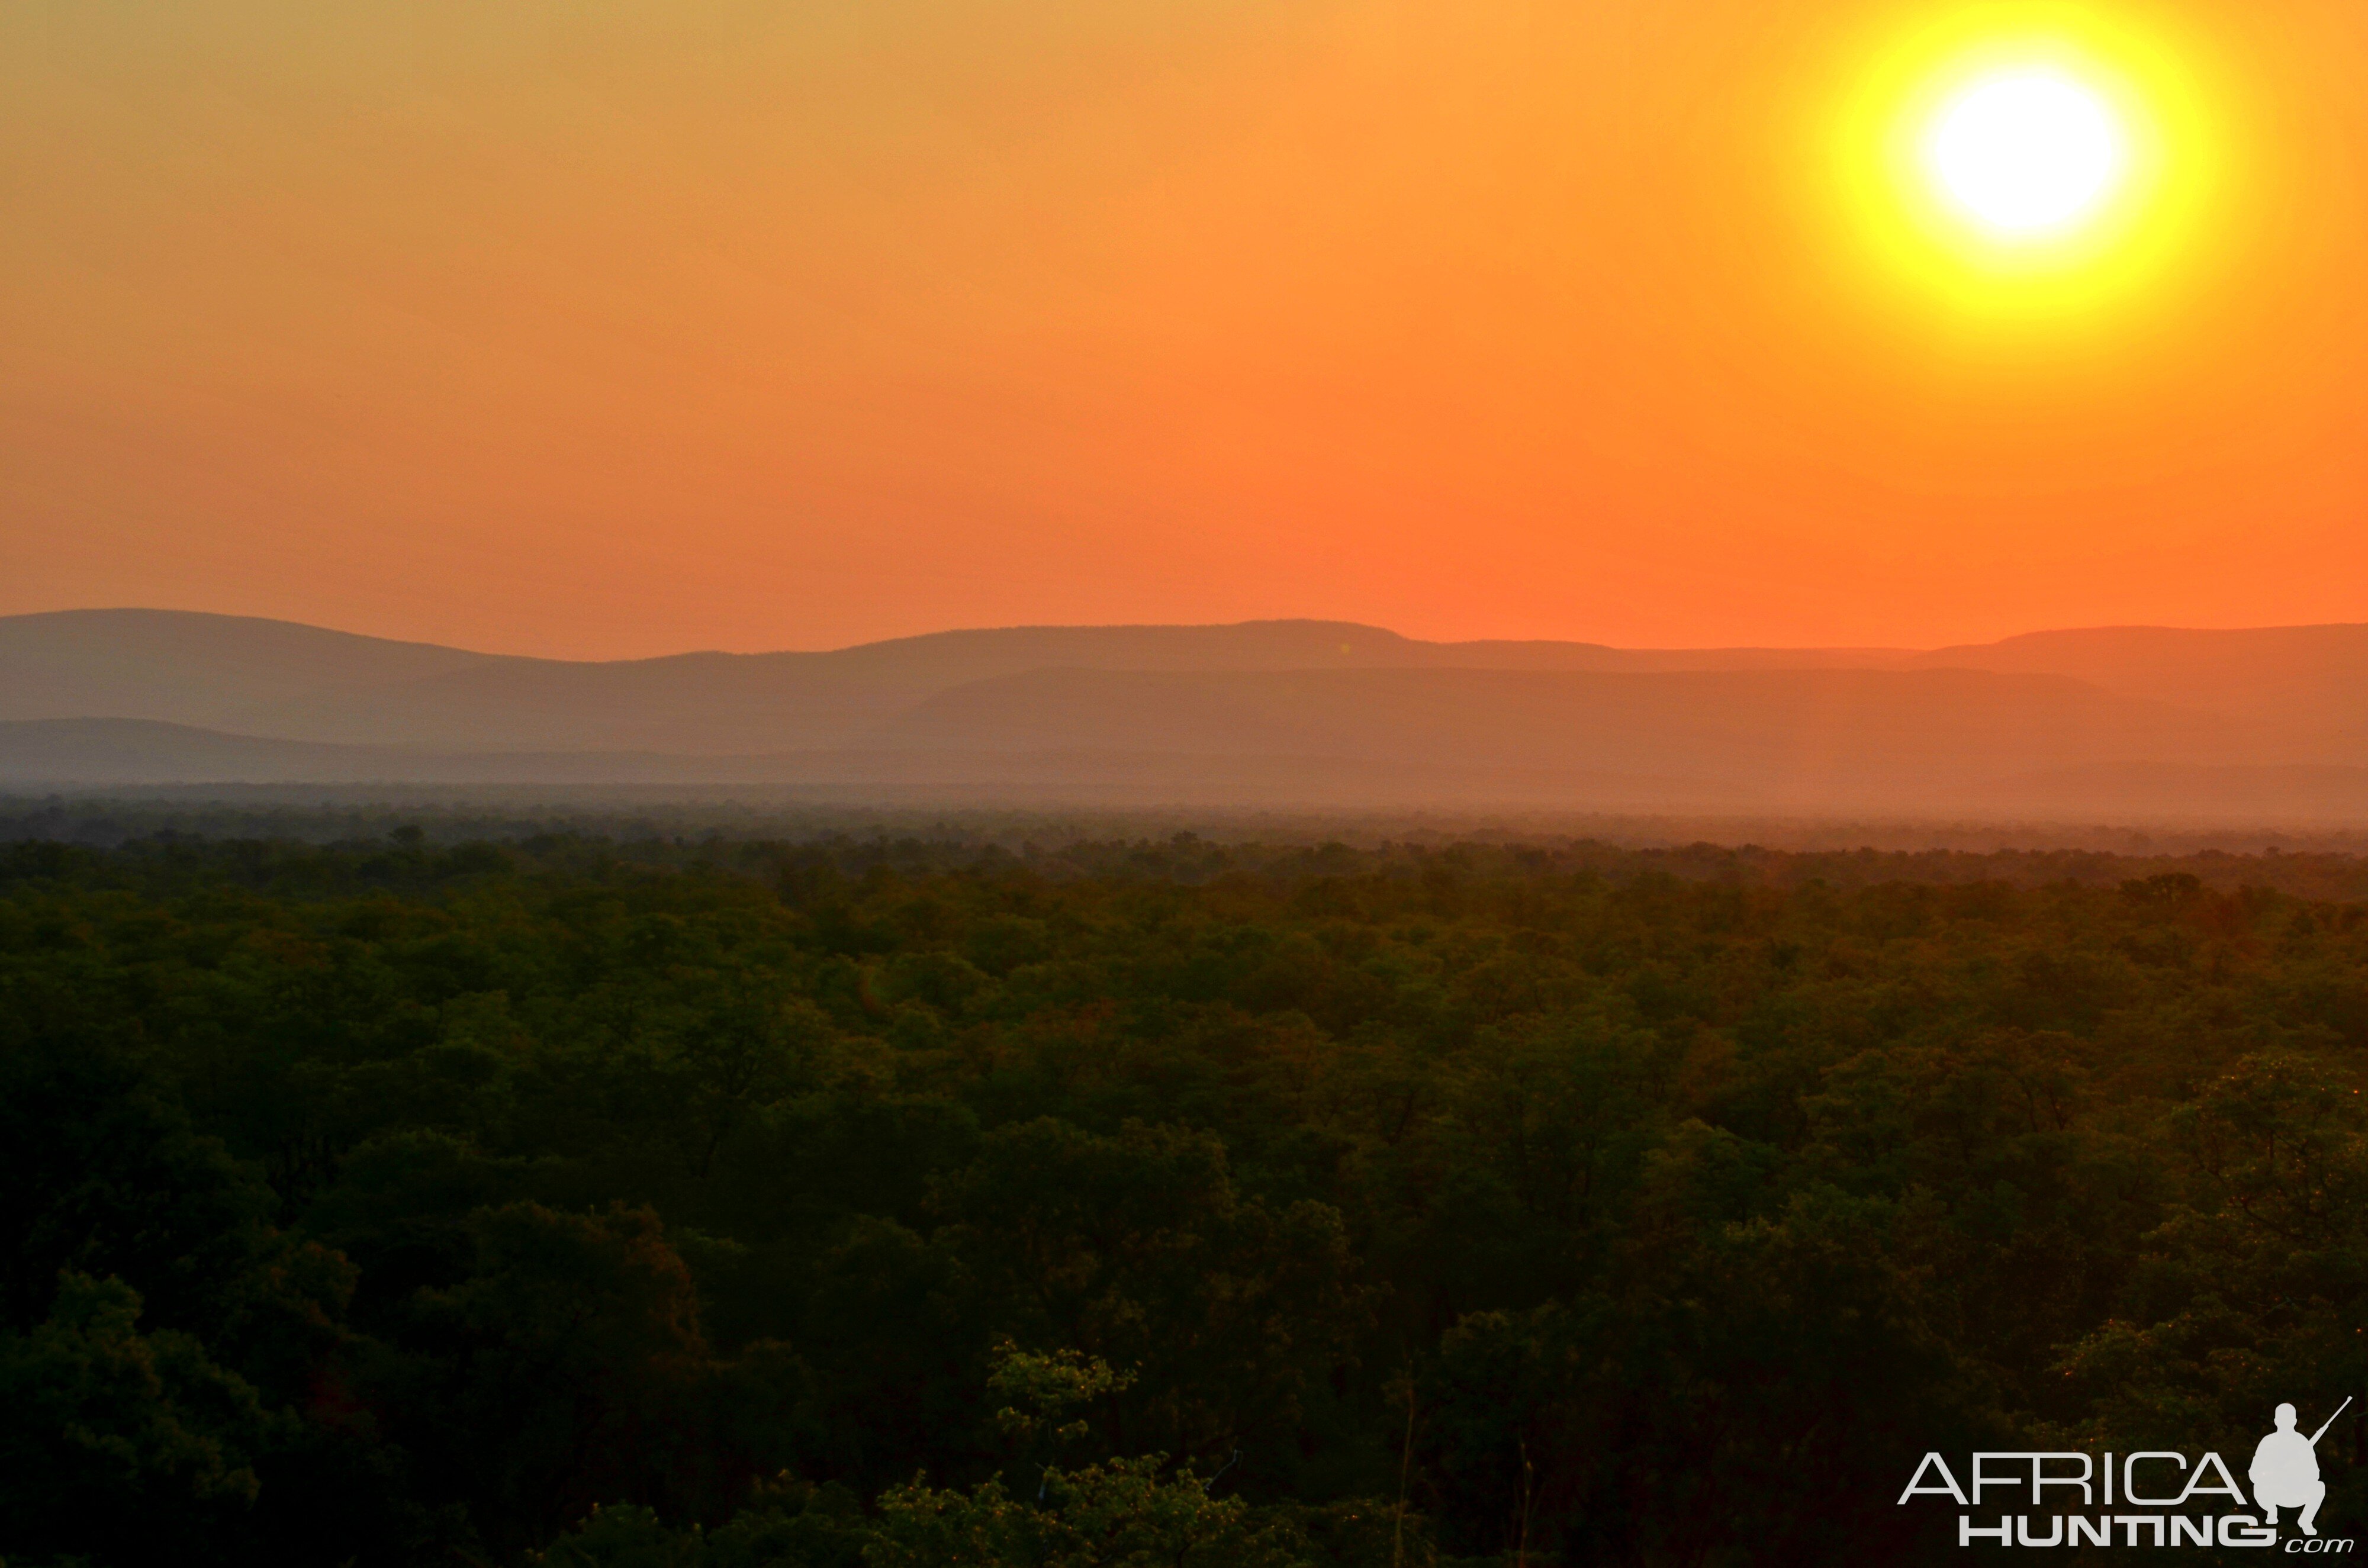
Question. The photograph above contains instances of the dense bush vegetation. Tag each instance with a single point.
(900, 1204)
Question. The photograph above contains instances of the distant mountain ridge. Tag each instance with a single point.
(288, 681)
(1295, 711)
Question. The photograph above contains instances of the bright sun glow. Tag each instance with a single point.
(2028, 152)
(2033, 160)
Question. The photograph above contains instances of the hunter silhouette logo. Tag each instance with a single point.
(2180, 1500)
(2285, 1471)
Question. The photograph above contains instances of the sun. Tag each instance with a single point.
(2036, 161)
(2026, 154)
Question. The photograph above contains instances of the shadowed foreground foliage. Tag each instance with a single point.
(739, 1205)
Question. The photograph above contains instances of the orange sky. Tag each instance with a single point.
(605, 327)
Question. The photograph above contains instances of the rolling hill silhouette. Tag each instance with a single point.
(1300, 712)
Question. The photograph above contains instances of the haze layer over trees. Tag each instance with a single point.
(915, 1204)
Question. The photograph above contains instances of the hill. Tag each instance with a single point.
(1303, 712)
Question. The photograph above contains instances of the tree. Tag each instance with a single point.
(1136, 1249)
(1126, 1512)
(118, 1446)
(562, 1371)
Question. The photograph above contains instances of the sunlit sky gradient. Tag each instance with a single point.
(604, 327)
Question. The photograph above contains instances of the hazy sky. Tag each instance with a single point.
(602, 327)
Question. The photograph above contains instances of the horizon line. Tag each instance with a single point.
(1310, 621)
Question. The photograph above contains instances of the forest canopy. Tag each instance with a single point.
(908, 1202)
